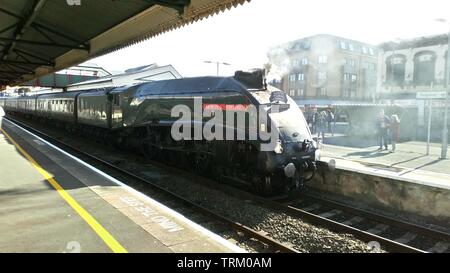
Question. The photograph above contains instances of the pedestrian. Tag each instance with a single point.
(2, 114)
(395, 131)
(321, 124)
(312, 119)
(308, 117)
(383, 123)
(330, 120)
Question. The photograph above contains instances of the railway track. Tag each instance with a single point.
(378, 230)
(364, 225)
(293, 208)
(419, 237)
(168, 196)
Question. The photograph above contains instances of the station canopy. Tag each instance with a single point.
(38, 37)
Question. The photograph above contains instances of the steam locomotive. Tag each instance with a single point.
(154, 119)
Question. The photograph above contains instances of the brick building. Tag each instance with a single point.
(325, 69)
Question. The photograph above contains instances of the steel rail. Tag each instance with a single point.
(436, 234)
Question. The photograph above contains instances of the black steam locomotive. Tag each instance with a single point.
(260, 136)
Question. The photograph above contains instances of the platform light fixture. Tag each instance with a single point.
(218, 64)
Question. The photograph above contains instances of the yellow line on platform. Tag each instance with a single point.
(113, 244)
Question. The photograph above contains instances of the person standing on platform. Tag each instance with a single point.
(321, 124)
(383, 123)
(395, 131)
(312, 119)
(308, 117)
(330, 121)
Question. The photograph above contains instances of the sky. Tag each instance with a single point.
(242, 36)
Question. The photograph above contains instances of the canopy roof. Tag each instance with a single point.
(38, 37)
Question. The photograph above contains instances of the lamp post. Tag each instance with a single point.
(218, 64)
(447, 90)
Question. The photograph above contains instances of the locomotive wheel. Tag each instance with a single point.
(262, 185)
(199, 158)
(296, 186)
(201, 162)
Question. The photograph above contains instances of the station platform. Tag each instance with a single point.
(406, 183)
(409, 162)
(53, 202)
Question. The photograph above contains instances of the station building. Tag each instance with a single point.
(411, 66)
(141, 74)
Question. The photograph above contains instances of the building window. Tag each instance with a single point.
(301, 92)
(292, 92)
(364, 50)
(304, 61)
(343, 45)
(301, 77)
(346, 92)
(323, 59)
(369, 66)
(322, 75)
(350, 62)
(397, 60)
(351, 47)
(304, 45)
(321, 91)
(349, 85)
(292, 78)
(424, 67)
(352, 77)
(395, 69)
(371, 52)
